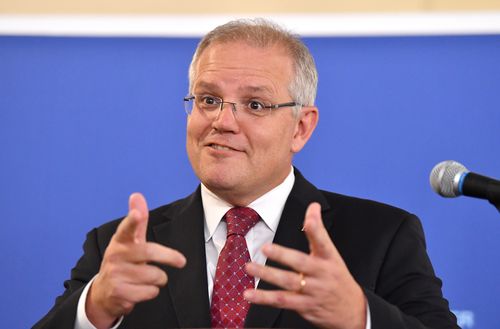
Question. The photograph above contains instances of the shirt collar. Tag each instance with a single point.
(269, 206)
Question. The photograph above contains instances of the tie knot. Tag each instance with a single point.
(240, 220)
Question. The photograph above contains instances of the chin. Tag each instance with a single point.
(219, 179)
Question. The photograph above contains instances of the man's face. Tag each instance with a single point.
(241, 159)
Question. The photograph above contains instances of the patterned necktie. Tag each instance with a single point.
(229, 308)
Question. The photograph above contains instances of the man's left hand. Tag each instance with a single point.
(320, 287)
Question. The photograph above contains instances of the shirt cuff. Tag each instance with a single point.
(368, 317)
(81, 321)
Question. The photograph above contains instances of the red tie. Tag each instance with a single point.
(229, 308)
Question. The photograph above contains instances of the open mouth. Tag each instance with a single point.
(221, 147)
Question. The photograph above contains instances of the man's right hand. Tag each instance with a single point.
(126, 276)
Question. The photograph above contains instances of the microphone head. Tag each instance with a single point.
(445, 177)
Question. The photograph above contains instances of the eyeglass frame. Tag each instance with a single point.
(220, 102)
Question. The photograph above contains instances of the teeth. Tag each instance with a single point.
(220, 147)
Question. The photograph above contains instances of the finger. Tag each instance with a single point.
(145, 274)
(149, 252)
(320, 243)
(119, 299)
(138, 202)
(135, 293)
(133, 226)
(164, 255)
(296, 260)
(139, 274)
(125, 232)
(278, 298)
(281, 278)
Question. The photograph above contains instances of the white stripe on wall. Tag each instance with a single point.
(359, 24)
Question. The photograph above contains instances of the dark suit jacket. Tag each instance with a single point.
(383, 247)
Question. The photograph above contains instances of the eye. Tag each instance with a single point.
(209, 100)
(256, 106)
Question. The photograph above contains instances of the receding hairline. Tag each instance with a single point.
(282, 46)
(279, 47)
(258, 32)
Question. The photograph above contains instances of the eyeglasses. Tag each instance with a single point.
(212, 105)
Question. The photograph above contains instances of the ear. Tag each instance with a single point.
(305, 125)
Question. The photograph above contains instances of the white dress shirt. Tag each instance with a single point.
(269, 207)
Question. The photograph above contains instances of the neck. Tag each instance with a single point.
(245, 198)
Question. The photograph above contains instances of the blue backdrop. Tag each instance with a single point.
(87, 121)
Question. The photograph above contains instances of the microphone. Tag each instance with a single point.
(451, 179)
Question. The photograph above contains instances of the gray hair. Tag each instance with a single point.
(264, 33)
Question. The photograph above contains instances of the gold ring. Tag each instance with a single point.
(302, 282)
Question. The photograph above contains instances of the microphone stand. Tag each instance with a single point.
(493, 194)
(496, 204)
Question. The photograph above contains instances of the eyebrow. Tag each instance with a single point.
(257, 89)
(247, 89)
(206, 85)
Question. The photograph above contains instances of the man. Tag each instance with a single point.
(334, 261)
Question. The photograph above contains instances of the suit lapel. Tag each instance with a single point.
(184, 230)
(289, 234)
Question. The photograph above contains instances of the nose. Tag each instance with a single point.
(226, 118)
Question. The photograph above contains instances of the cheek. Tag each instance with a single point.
(195, 129)
(193, 133)
(276, 145)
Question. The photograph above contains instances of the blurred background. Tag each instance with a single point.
(91, 111)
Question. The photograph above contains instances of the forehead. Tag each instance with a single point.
(238, 65)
